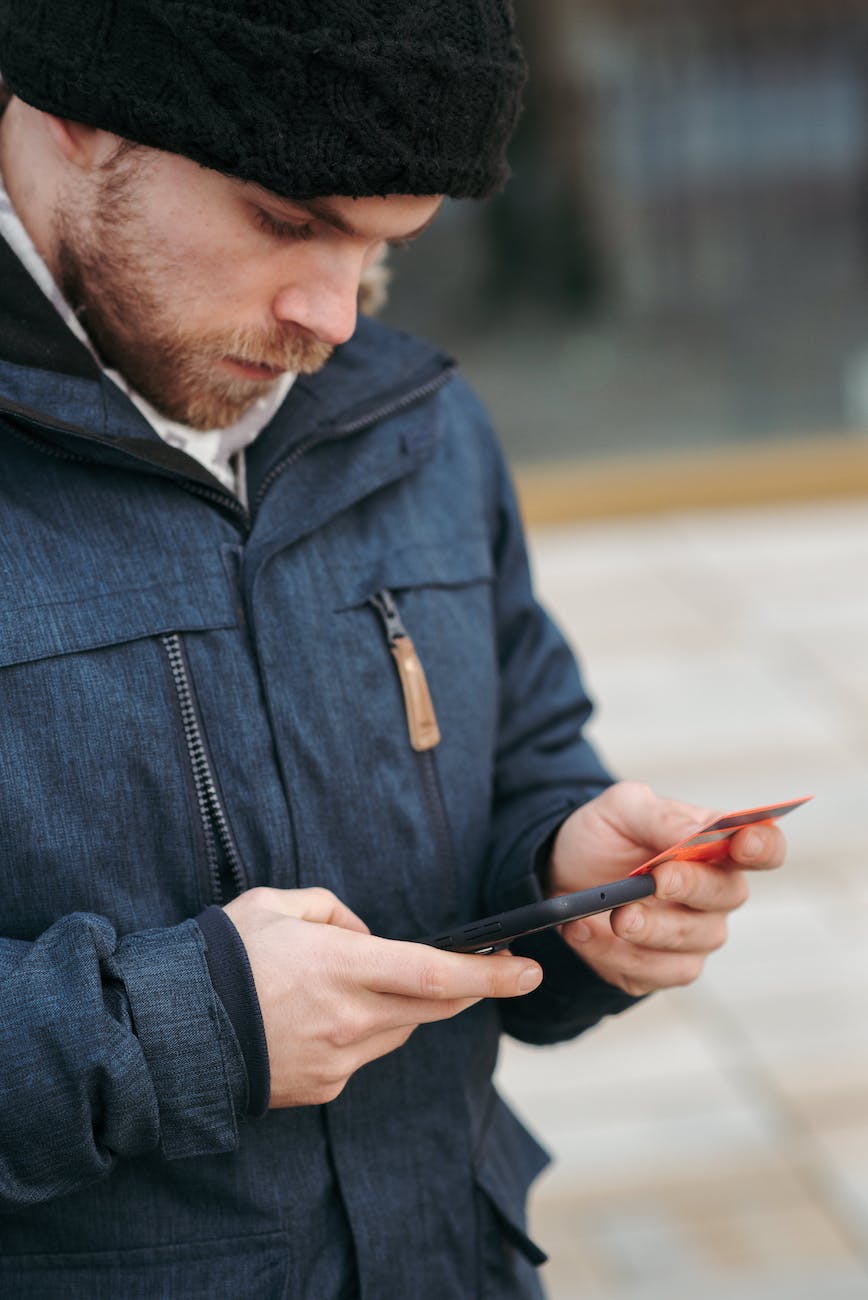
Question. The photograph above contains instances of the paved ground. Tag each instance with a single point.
(713, 1142)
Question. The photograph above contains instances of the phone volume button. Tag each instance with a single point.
(480, 931)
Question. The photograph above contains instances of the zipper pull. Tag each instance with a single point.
(419, 707)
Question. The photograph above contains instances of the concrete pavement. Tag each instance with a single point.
(713, 1141)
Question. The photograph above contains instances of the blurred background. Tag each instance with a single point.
(680, 266)
(667, 314)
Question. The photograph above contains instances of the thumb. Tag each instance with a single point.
(645, 819)
(666, 821)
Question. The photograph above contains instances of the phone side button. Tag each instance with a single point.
(482, 931)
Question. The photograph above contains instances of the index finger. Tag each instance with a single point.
(416, 970)
(700, 886)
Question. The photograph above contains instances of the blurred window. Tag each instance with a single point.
(680, 259)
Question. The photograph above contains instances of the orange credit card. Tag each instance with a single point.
(710, 843)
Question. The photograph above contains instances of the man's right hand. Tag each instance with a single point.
(334, 997)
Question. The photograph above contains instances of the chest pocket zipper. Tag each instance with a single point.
(225, 872)
(418, 705)
(422, 726)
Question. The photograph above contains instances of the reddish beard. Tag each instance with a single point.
(119, 285)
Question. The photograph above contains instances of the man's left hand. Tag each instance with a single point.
(663, 941)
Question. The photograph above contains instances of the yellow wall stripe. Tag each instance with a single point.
(640, 484)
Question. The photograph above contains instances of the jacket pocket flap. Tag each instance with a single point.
(507, 1162)
(32, 628)
(455, 563)
(254, 1267)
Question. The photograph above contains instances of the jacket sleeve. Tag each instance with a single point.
(111, 1047)
(544, 769)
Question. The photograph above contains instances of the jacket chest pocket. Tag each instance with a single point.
(421, 623)
(97, 793)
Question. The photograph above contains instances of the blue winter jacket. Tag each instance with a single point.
(197, 699)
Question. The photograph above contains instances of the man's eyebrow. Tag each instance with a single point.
(322, 210)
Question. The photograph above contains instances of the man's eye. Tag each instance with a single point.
(282, 229)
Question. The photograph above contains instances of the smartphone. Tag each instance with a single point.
(495, 932)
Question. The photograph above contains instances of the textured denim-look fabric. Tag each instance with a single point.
(128, 1166)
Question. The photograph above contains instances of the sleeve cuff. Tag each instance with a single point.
(176, 1016)
(232, 978)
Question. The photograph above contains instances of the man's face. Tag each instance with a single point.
(202, 290)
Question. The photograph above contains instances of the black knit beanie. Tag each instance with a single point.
(304, 97)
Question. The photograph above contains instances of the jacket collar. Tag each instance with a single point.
(32, 334)
(51, 385)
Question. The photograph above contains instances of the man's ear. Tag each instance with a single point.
(87, 147)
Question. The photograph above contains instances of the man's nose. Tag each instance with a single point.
(325, 305)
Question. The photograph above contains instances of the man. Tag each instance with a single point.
(277, 698)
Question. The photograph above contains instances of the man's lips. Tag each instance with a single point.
(251, 370)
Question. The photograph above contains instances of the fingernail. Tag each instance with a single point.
(635, 920)
(529, 978)
(751, 845)
(580, 931)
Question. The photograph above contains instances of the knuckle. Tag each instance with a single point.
(329, 1089)
(636, 980)
(687, 971)
(430, 982)
(318, 892)
(720, 937)
(633, 791)
(345, 1029)
(741, 890)
(259, 896)
(631, 973)
(707, 932)
(687, 930)
(501, 978)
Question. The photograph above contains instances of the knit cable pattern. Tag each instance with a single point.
(355, 97)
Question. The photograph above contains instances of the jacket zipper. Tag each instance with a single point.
(225, 872)
(422, 726)
(419, 707)
(215, 495)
